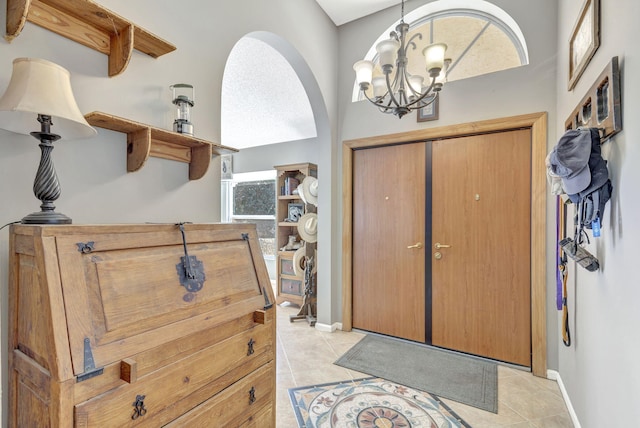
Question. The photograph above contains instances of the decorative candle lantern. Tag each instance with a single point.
(184, 99)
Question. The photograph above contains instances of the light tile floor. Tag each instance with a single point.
(306, 355)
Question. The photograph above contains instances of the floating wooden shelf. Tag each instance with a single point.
(89, 24)
(144, 141)
(288, 223)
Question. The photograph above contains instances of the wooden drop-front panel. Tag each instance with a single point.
(93, 330)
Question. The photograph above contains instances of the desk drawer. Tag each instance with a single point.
(237, 405)
(162, 395)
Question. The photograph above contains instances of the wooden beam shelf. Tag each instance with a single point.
(144, 141)
(89, 24)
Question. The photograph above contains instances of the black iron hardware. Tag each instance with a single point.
(90, 369)
(245, 236)
(252, 395)
(190, 269)
(267, 303)
(250, 345)
(138, 407)
(85, 248)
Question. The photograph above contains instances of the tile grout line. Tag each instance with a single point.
(286, 356)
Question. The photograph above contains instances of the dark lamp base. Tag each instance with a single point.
(46, 217)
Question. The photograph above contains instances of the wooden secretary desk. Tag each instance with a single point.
(140, 326)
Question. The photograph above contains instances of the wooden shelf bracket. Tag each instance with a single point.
(144, 141)
(89, 24)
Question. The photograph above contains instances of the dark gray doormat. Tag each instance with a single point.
(468, 380)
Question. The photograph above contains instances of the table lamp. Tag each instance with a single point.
(40, 91)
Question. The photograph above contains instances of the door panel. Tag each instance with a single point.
(388, 217)
(480, 286)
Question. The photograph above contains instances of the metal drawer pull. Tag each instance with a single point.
(250, 345)
(85, 248)
(138, 407)
(252, 395)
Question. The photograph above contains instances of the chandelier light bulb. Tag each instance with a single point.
(415, 85)
(434, 58)
(387, 53)
(364, 72)
(379, 87)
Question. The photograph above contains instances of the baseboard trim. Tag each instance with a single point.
(328, 328)
(554, 375)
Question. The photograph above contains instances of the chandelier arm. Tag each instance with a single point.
(431, 101)
(411, 42)
(386, 110)
(377, 103)
(393, 98)
(406, 87)
(413, 92)
(423, 96)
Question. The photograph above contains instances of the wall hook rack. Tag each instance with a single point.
(601, 107)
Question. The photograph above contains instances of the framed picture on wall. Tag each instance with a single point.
(430, 111)
(226, 167)
(295, 211)
(584, 41)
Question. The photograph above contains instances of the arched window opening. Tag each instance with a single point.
(263, 99)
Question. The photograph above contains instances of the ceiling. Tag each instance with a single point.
(343, 11)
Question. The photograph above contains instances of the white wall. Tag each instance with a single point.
(95, 185)
(600, 370)
(521, 90)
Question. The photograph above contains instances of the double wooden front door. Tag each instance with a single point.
(441, 243)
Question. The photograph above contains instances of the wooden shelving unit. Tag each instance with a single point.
(144, 141)
(290, 288)
(89, 24)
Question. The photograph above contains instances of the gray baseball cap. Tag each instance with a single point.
(569, 160)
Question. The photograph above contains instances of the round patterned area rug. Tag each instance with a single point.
(370, 403)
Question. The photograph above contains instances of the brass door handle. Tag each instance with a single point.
(438, 245)
(416, 245)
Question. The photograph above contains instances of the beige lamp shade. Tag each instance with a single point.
(38, 87)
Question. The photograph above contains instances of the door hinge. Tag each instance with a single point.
(90, 369)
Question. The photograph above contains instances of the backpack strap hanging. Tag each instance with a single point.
(566, 333)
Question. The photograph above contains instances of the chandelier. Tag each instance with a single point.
(403, 92)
